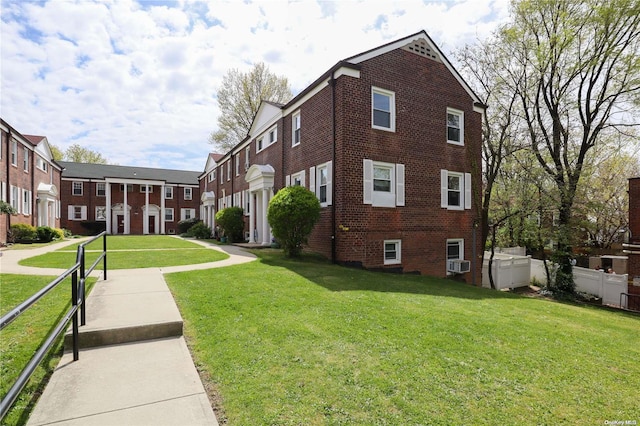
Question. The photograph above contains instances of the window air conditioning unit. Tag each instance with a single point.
(458, 266)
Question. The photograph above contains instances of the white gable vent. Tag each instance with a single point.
(422, 48)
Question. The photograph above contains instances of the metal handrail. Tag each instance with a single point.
(77, 303)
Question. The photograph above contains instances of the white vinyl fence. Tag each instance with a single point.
(518, 271)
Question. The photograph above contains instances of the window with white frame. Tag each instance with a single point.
(273, 135)
(26, 202)
(455, 249)
(3, 191)
(455, 126)
(212, 176)
(41, 164)
(101, 189)
(455, 190)
(188, 193)
(392, 250)
(186, 214)
(168, 192)
(77, 212)
(246, 157)
(101, 213)
(268, 138)
(320, 182)
(25, 160)
(295, 129)
(383, 183)
(237, 199)
(129, 187)
(229, 169)
(296, 179)
(247, 202)
(168, 214)
(76, 188)
(383, 109)
(14, 152)
(14, 197)
(237, 164)
(143, 188)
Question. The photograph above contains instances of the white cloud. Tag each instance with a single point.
(136, 81)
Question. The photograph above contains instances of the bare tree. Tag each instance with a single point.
(576, 73)
(78, 154)
(239, 99)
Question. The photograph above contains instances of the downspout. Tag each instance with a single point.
(334, 168)
(8, 188)
(34, 194)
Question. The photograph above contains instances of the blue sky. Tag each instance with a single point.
(137, 80)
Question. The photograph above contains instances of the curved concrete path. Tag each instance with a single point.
(135, 367)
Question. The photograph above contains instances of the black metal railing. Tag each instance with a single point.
(633, 301)
(77, 304)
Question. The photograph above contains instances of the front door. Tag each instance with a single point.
(152, 224)
(120, 222)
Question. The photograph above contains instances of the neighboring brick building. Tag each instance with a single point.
(390, 142)
(632, 249)
(29, 180)
(96, 193)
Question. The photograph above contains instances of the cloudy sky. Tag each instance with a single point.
(137, 80)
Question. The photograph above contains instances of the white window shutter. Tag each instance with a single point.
(302, 181)
(444, 188)
(399, 184)
(367, 181)
(312, 179)
(83, 212)
(467, 191)
(287, 180)
(329, 182)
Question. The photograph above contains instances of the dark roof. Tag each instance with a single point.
(101, 171)
(35, 140)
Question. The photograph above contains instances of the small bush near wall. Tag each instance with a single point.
(199, 231)
(185, 225)
(22, 232)
(46, 234)
(231, 220)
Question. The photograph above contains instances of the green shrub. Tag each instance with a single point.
(292, 214)
(199, 231)
(231, 220)
(185, 225)
(46, 234)
(23, 232)
(66, 233)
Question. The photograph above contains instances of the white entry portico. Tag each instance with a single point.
(260, 180)
(119, 218)
(46, 201)
(208, 209)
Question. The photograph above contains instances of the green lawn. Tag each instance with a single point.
(305, 342)
(19, 341)
(130, 252)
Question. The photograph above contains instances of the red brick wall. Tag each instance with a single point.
(423, 91)
(633, 264)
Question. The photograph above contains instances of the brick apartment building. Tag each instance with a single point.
(126, 200)
(29, 180)
(390, 142)
(632, 249)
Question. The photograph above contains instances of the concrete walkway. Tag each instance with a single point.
(134, 367)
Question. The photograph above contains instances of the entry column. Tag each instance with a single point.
(265, 222)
